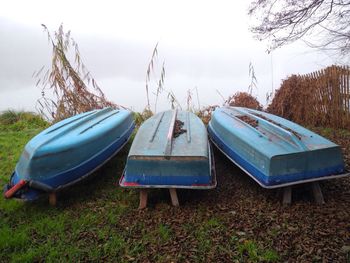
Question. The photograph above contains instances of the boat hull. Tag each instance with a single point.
(270, 159)
(38, 183)
(189, 163)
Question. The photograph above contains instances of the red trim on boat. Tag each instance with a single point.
(130, 184)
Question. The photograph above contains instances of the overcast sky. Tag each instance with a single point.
(205, 44)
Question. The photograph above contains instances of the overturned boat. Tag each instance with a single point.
(275, 152)
(68, 151)
(170, 150)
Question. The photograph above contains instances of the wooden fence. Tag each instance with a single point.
(321, 98)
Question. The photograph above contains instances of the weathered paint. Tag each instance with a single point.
(158, 159)
(71, 149)
(276, 151)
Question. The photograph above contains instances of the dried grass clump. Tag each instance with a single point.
(74, 89)
(243, 99)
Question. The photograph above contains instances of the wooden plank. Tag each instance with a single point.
(53, 198)
(173, 196)
(287, 196)
(143, 198)
(317, 192)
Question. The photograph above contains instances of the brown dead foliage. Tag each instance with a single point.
(320, 98)
(73, 88)
(178, 130)
(239, 99)
(211, 226)
(249, 120)
(243, 99)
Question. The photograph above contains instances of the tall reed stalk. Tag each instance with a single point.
(73, 88)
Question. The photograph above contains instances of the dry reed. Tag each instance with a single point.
(74, 89)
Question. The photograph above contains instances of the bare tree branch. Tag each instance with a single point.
(323, 24)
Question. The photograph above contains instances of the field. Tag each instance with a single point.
(236, 222)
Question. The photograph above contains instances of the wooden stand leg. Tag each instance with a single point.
(173, 195)
(317, 192)
(287, 195)
(52, 199)
(143, 198)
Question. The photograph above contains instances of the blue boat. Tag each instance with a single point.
(170, 150)
(275, 152)
(68, 151)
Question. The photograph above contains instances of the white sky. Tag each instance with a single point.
(205, 44)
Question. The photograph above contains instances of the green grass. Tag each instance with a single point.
(95, 220)
(82, 226)
(19, 121)
(204, 234)
(249, 250)
(164, 233)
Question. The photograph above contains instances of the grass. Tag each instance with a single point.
(164, 233)
(18, 121)
(97, 221)
(81, 227)
(249, 251)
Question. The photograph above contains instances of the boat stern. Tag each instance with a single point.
(164, 173)
(305, 166)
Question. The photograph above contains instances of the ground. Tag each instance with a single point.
(237, 221)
